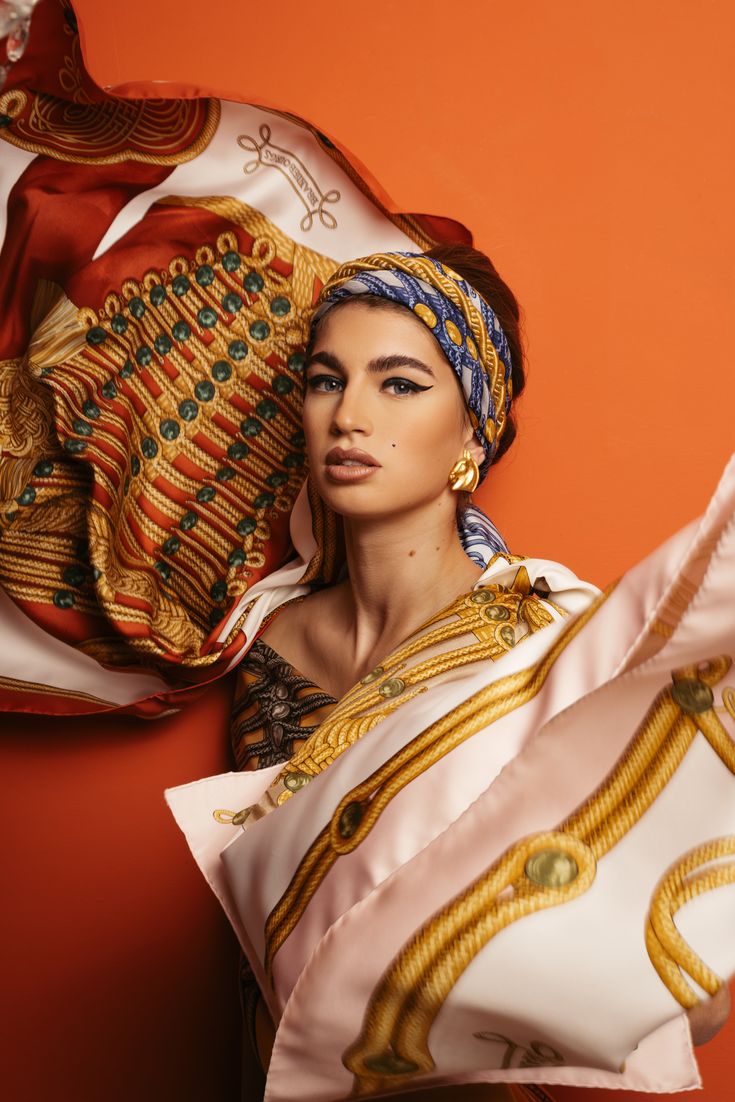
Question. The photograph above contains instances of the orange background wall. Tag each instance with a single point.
(589, 149)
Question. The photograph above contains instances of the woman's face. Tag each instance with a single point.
(384, 418)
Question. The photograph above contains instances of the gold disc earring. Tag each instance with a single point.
(465, 474)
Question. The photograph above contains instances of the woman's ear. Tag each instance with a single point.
(475, 448)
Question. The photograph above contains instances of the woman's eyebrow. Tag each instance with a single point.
(390, 363)
(326, 359)
(379, 365)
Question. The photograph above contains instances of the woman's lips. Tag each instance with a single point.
(349, 465)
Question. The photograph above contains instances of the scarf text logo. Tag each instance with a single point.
(297, 174)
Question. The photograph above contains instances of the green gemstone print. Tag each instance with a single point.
(118, 323)
(298, 439)
(188, 409)
(204, 390)
(188, 521)
(163, 569)
(264, 500)
(207, 317)
(126, 486)
(74, 576)
(171, 545)
(238, 451)
(237, 350)
(254, 282)
(259, 330)
(109, 390)
(162, 344)
(126, 370)
(143, 355)
(169, 429)
(267, 409)
(219, 591)
(81, 428)
(157, 295)
(96, 335)
(280, 306)
(204, 275)
(43, 469)
(246, 526)
(236, 558)
(296, 362)
(181, 331)
(293, 459)
(135, 465)
(149, 447)
(206, 493)
(278, 478)
(75, 447)
(282, 384)
(251, 427)
(180, 285)
(230, 261)
(225, 474)
(221, 371)
(232, 302)
(64, 598)
(27, 496)
(136, 306)
(91, 409)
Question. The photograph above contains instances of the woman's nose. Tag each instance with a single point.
(351, 414)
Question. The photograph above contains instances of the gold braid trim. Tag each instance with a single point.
(26, 405)
(669, 953)
(492, 614)
(360, 809)
(393, 1043)
(76, 130)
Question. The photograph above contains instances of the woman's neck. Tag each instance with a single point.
(400, 572)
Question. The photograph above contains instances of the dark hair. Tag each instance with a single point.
(477, 269)
(480, 271)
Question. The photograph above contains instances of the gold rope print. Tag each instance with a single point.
(159, 132)
(497, 616)
(669, 953)
(546, 870)
(361, 808)
(176, 448)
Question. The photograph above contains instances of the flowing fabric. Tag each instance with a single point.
(511, 861)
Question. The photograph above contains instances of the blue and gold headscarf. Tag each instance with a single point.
(462, 322)
(470, 337)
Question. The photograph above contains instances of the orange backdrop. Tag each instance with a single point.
(588, 148)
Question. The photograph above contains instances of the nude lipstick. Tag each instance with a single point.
(349, 465)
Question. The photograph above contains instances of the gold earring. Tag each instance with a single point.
(465, 474)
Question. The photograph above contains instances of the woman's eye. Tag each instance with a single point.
(327, 384)
(401, 387)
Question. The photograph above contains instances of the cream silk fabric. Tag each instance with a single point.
(566, 994)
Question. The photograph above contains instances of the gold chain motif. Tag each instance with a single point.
(669, 953)
(359, 810)
(547, 870)
(497, 616)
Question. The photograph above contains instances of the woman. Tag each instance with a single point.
(412, 366)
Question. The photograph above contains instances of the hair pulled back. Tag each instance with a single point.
(478, 270)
